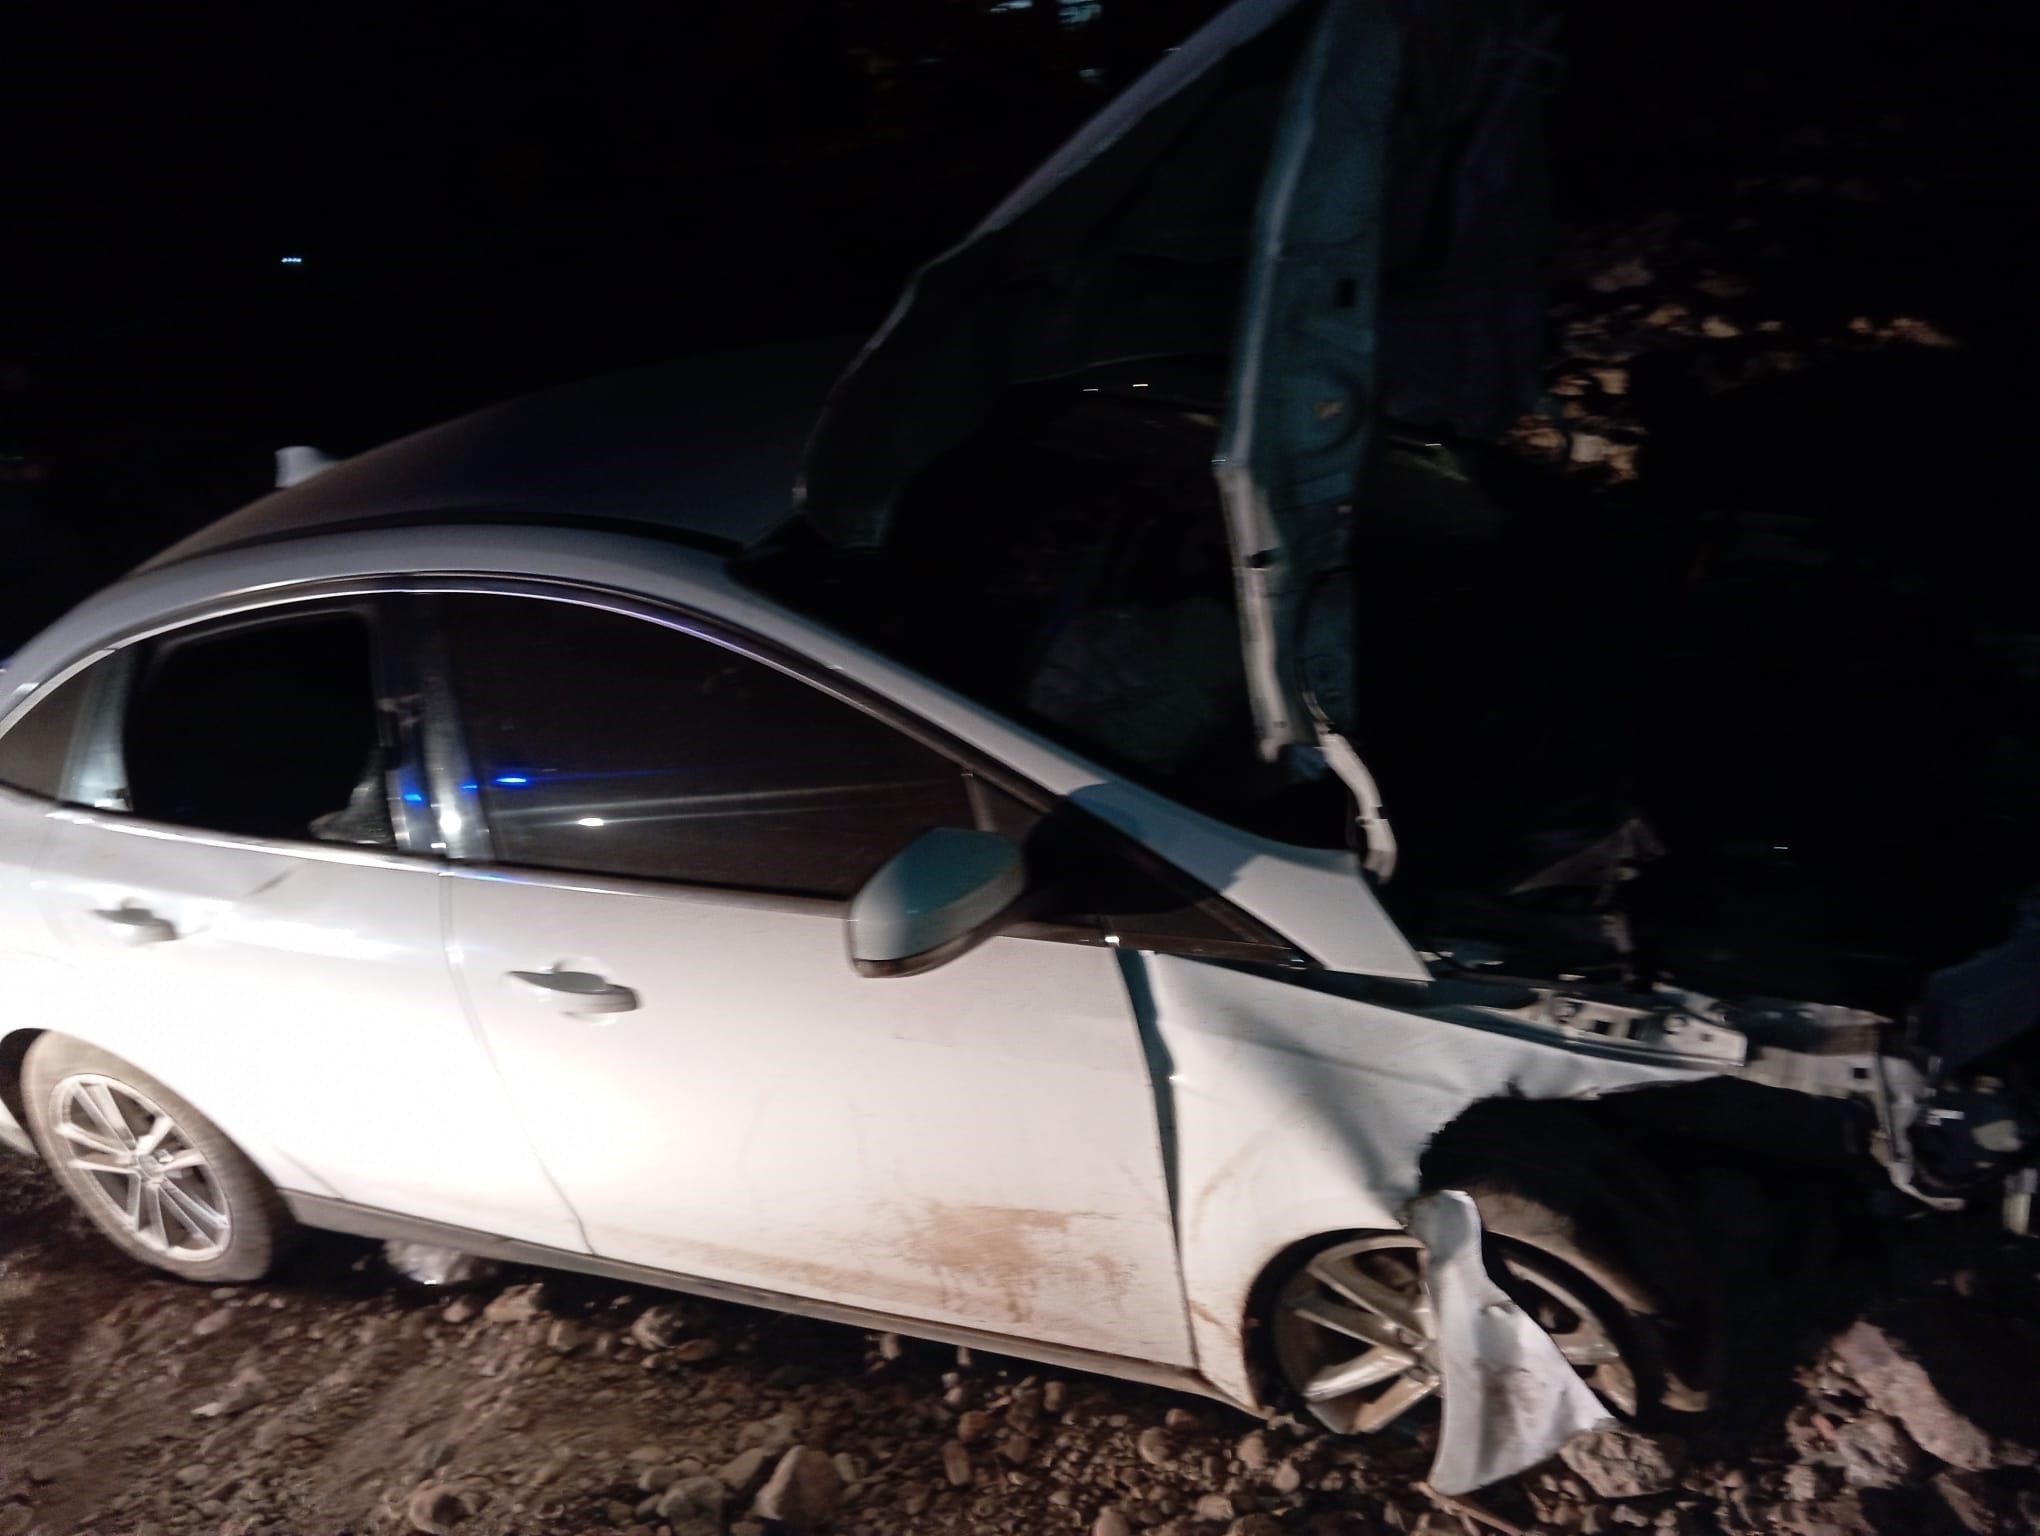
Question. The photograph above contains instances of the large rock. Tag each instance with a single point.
(1873, 1452)
(773, 1436)
(247, 1388)
(1154, 1448)
(956, 1464)
(1893, 1378)
(437, 1509)
(659, 1327)
(1970, 1503)
(519, 1304)
(566, 1336)
(693, 1502)
(1252, 1450)
(741, 1472)
(803, 1493)
(1622, 1464)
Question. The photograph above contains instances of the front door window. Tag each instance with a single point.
(614, 745)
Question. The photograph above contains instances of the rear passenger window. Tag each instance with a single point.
(262, 730)
(612, 744)
(35, 748)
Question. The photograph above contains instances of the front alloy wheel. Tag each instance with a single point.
(1352, 1329)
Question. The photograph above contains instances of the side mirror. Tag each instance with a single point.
(942, 894)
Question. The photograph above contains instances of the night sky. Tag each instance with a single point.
(490, 198)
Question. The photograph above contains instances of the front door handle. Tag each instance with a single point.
(136, 925)
(578, 991)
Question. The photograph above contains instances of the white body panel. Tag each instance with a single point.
(27, 949)
(1045, 1141)
(976, 1145)
(1301, 1112)
(306, 1005)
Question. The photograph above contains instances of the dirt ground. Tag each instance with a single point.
(340, 1397)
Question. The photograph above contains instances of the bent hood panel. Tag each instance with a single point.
(1127, 243)
(1340, 201)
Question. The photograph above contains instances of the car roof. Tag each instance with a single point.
(705, 450)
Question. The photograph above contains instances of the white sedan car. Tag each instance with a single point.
(471, 844)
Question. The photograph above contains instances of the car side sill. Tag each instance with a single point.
(364, 1221)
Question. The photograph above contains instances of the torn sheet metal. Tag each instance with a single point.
(1341, 201)
(1510, 1398)
(1302, 1106)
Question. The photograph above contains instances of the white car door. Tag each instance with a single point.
(32, 754)
(240, 921)
(657, 956)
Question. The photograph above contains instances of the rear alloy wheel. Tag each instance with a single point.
(152, 1173)
(1351, 1329)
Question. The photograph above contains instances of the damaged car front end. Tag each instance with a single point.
(1182, 447)
(1142, 564)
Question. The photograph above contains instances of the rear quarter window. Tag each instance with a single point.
(35, 748)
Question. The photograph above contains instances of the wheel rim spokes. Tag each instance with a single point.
(78, 1136)
(1587, 1347)
(1410, 1315)
(1580, 1335)
(204, 1220)
(99, 1105)
(144, 1173)
(1337, 1304)
(1399, 1399)
(1362, 1371)
(1355, 1328)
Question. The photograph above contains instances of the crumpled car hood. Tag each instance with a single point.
(1342, 202)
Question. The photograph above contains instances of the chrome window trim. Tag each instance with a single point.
(969, 761)
(129, 825)
(443, 746)
(97, 740)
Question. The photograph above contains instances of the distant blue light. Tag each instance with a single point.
(511, 778)
(292, 261)
(471, 786)
(412, 797)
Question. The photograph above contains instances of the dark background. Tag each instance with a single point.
(491, 197)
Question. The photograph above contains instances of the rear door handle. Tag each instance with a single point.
(580, 992)
(136, 924)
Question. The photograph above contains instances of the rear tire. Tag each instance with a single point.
(160, 1180)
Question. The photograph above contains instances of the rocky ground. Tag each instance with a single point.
(342, 1397)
